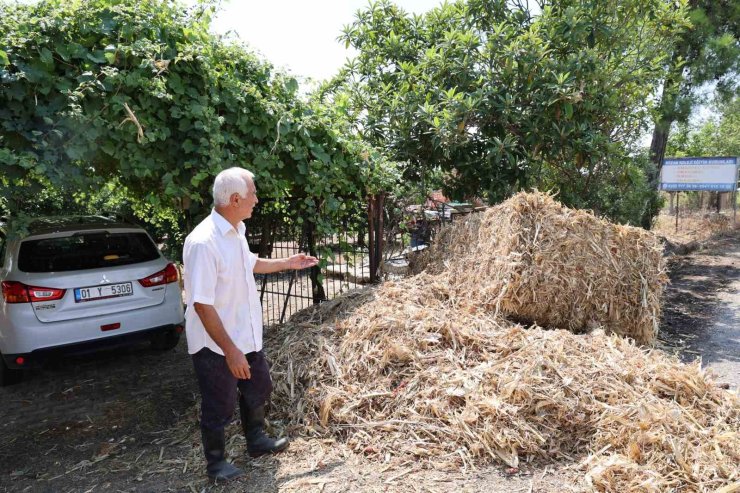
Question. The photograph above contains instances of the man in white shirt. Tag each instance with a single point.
(224, 321)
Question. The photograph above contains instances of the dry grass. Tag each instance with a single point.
(692, 225)
(420, 368)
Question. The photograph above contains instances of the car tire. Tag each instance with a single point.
(9, 376)
(164, 341)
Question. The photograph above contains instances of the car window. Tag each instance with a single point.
(83, 251)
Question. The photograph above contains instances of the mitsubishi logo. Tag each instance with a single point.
(105, 280)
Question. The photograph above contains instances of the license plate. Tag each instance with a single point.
(94, 293)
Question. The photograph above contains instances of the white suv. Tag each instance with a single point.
(76, 284)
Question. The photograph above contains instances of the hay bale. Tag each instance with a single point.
(539, 262)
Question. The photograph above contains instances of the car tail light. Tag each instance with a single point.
(17, 292)
(167, 275)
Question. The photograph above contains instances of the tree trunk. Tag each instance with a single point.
(657, 152)
(666, 116)
(317, 289)
(657, 146)
(267, 230)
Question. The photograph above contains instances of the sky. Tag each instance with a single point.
(299, 36)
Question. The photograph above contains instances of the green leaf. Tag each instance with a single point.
(196, 109)
(86, 76)
(63, 51)
(321, 154)
(188, 146)
(291, 85)
(4, 59)
(175, 83)
(568, 111)
(109, 148)
(97, 56)
(47, 57)
(74, 152)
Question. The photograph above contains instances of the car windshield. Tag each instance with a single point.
(82, 251)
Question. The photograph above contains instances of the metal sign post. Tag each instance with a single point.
(716, 174)
(678, 194)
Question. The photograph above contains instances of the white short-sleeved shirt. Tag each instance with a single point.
(219, 271)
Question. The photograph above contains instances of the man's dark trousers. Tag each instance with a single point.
(218, 387)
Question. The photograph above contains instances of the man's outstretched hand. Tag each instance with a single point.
(302, 261)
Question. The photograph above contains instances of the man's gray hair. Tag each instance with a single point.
(230, 181)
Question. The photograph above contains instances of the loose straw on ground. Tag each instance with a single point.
(433, 366)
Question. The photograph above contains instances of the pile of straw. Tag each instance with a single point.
(422, 368)
(540, 262)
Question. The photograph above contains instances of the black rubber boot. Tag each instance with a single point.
(253, 423)
(214, 447)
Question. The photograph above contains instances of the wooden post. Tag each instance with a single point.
(734, 199)
(265, 248)
(317, 288)
(375, 234)
(381, 228)
(371, 237)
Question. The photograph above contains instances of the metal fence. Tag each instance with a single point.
(374, 234)
(345, 259)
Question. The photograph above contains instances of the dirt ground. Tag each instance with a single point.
(701, 319)
(126, 420)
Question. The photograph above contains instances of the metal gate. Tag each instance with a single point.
(350, 259)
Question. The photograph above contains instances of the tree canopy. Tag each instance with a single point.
(719, 135)
(139, 91)
(501, 98)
